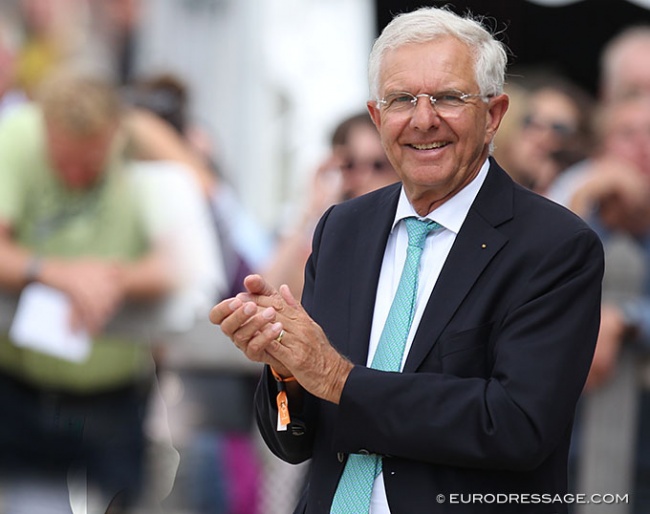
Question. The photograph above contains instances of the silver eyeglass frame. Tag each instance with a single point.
(433, 99)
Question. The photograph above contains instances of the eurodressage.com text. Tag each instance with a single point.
(533, 498)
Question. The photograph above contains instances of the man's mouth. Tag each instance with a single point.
(430, 146)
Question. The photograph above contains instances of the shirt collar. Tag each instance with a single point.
(453, 212)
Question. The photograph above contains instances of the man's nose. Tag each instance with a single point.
(424, 114)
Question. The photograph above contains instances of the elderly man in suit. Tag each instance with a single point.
(454, 392)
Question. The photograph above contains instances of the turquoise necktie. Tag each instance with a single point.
(355, 486)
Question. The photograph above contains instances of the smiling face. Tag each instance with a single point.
(435, 156)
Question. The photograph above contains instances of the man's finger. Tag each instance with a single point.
(224, 309)
(243, 335)
(288, 297)
(258, 346)
(238, 317)
(256, 285)
(261, 293)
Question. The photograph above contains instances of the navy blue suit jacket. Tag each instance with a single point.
(485, 403)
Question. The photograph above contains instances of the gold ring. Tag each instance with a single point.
(280, 336)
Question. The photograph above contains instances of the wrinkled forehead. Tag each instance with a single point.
(445, 58)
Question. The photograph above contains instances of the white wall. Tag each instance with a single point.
(270, 80)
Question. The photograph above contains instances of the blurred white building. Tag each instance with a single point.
(269, 80)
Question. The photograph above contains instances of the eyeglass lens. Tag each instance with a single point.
(376, 165)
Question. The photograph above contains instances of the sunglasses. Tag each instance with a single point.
(557, 127)
(377, 165)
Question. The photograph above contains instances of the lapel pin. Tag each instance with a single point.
(483, 246)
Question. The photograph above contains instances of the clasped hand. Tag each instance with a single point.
(253, 321)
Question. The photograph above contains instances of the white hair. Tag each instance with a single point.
(430, 23)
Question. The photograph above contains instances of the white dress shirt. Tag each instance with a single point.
(450, 215)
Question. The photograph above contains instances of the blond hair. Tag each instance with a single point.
(79, 105)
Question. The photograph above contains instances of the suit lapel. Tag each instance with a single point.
(478, 241)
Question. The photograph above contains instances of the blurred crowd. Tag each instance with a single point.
(118, 232)
(591, 153)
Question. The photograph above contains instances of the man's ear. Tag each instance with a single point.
(498, 105)
(375, 114)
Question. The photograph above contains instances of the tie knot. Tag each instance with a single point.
(418, 230)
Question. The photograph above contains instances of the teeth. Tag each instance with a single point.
(429, 146)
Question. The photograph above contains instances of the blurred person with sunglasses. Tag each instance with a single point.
(363, 164)
(610, 190)
(554, 132)
(356, 165)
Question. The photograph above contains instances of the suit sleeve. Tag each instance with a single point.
(516, 416)
(293, 445)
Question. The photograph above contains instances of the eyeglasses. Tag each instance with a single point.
(377, 166)
(447, 104)
(559, 128)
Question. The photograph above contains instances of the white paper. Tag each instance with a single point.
(42, 323)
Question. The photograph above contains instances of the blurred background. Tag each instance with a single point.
(269, 79)
(265, 93)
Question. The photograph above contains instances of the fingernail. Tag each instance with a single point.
(268, 313)
(234, 305)
(249, 308)
(276, 327)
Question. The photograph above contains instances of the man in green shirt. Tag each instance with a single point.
(70, 220)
